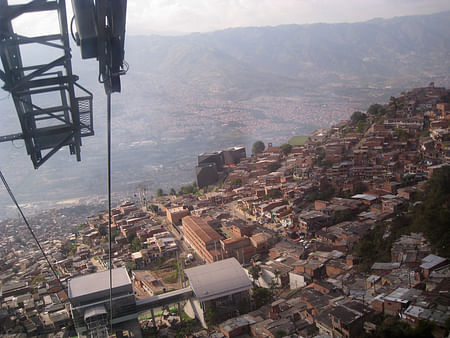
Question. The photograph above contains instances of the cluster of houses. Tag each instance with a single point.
(329, 298)
(31, 298)
(308, 236)
(129, 222)
(33, 301)
(291, 219)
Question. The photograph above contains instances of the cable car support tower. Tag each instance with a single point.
(55, 111)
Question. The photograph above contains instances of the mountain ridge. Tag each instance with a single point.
(189, 94)
(373, 50)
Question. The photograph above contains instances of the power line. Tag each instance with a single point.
(11, 194)
(108, 125)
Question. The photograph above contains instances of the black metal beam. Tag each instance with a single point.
(48, 111)
(22, 40)
(60, 80)
(33, 6)
(42, 90)
(55, 63)
(11, 137)
(63, 143)
(32, 113)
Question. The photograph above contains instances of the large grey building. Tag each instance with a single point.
(233, 155)
(212, 157)
(206, 174)
(90, 302)
(221, 286)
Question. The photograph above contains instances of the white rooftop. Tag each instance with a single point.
(364, 197)
(97, 282)
(218, 279)
(431, 261)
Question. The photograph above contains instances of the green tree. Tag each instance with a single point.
(255, 272)
(433, 215)
(136, 245)
(357, 116)
(319, 160)
(422, 329)
(393, 103)
(131, 265)
(185, 328)
(273, 167)
(236, 183)
(258, 147)
(393, 327)
(188, 189)
(153, 208)
(280, 333)
(102, 230)
(286, 149)
(261, 296)
(69, 248)
(274, 283)
(362, 126)
(376, 109)
(37, 280)
(402, 134)
(374, 247)
(172, 191)
(115, 233)
(130, 237)
(447, 326)
(342, 216)
(159, 192)
(275, 193)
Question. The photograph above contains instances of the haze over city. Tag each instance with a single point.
(173, 17)
(279, 168)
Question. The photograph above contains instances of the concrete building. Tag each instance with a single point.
(432, 262)
(213, 157)
(206, 174)
(90, 303)
(220, 286)
(174, 215)
(202, 238)
(233, 155)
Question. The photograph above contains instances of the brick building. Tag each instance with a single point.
(202, 238)
(175, 215)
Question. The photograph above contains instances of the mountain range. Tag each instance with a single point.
(242, 62)
(184, 95)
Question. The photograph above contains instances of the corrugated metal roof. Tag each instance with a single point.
(431, 261)
(364, 197)
(201, 228)
(385, 266)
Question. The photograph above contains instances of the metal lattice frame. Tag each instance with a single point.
(65, 118)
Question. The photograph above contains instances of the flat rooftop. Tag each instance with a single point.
(98, 282)
(218, 279)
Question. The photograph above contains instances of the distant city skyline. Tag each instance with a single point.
(172, 17)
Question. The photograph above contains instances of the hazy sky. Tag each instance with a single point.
(146, 16)
(183, 16)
